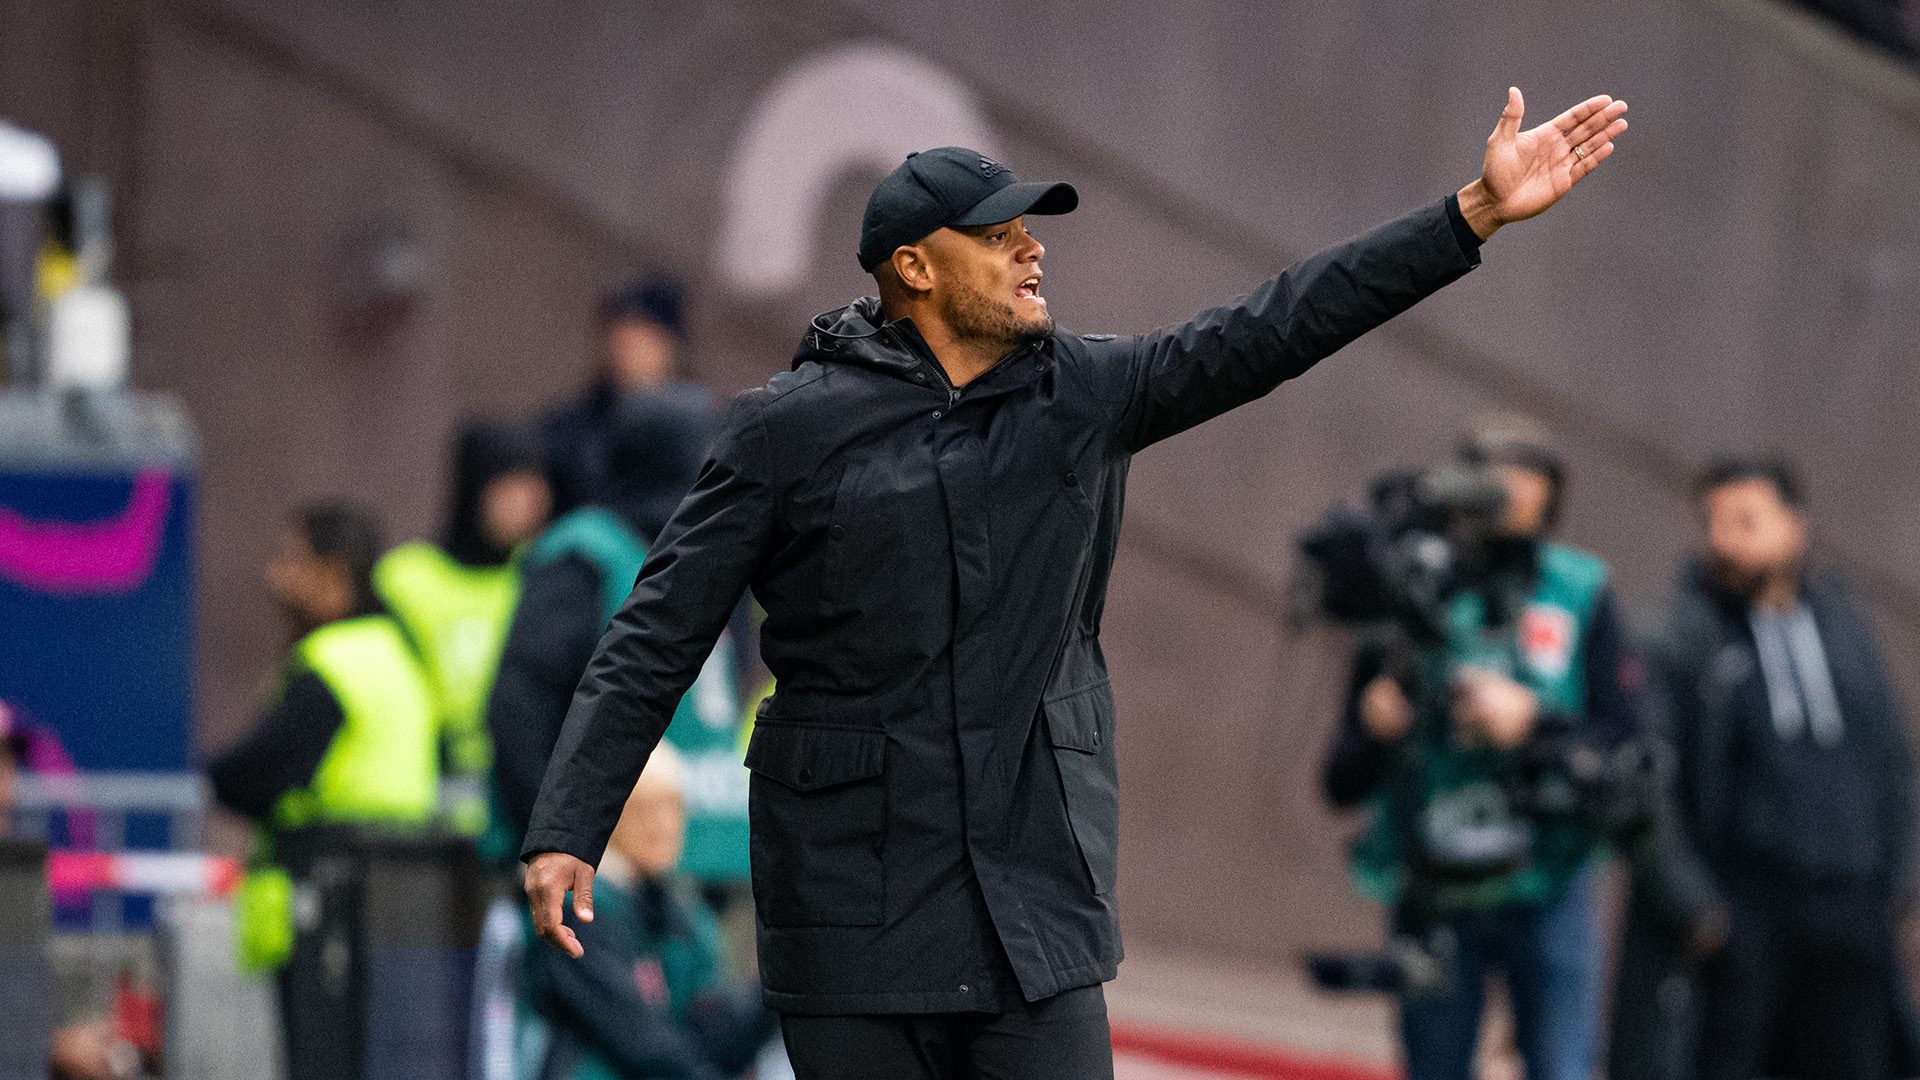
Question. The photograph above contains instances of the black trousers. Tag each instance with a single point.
(1804, 987)
(1063, 1037)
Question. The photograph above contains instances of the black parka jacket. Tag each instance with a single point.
(934, 802)
(1706, 687)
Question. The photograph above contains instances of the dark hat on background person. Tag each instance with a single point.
(952, 185)
(652, 299)
(1517, 439)
(484, 451)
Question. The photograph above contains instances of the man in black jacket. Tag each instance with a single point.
(1785, 857)
(927, 507)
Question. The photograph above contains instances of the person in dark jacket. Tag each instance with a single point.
(927, 508)
(638, 330)
(1421, 744)
(1760, 937)
(655, 450)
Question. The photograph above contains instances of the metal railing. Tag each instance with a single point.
(93, 810)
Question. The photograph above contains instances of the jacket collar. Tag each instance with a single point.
(1816, 588)
(858, 334)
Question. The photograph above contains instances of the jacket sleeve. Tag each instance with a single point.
(555, 626)
(1168, 381)
(1356, 762)
(283, 752)
(650, 654)
(1897, 810)
(1895, 762)
(1670, 871)
(596, 997)
(1609, 662)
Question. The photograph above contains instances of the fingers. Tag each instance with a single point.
(1592, 161)
(1572, 118)
(1509, 123)
(549, 879)
(1586, 129)
(544, 899)
(583, 892)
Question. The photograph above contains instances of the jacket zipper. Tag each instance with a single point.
(953, 392)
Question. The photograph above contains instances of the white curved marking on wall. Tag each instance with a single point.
(865, 106)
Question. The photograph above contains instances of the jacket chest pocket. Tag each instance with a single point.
(868, 538)
(1080, 727)
(818, 811)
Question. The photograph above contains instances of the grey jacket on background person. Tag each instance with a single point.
(1726, 830)
(934, 798)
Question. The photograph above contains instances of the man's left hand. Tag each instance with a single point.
(1496, 709)
(1527, 171)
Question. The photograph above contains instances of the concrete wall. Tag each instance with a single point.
(1746, 272)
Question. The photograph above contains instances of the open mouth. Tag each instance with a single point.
(1028, 289)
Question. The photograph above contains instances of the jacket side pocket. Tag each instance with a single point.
(1080, 727)
(817, 807)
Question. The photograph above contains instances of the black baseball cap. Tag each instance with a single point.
(950, 186)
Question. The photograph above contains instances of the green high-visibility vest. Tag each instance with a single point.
(1545, 652)
(705, 724)
(381, 768)
(383, 764)
(457, 616)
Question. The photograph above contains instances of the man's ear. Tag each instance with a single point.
(912, 267)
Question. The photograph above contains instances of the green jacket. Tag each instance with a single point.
(1453, 786)
(621, 1010)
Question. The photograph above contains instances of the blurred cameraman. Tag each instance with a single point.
(1433, 735)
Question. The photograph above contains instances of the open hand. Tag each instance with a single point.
(550, 876)
(1527, 171)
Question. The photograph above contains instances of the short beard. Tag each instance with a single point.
(1741, 582)
(973, 315)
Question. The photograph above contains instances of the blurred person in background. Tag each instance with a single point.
(349, 734)
(638, 331)
(455, 599)
(1425, 742)
(1784, 863)
(574, 577)
(927, 507)
(649, 1001)
(90, 1050)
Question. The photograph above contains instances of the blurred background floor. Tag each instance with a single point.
(1177, 1017)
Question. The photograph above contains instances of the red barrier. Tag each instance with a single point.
(1239, 1057)
(158, 872)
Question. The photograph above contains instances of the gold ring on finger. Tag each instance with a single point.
(1580, 152)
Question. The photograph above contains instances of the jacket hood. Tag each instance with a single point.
(859, 334)
(483, 452)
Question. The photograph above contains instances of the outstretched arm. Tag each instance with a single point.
(1165, 382)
